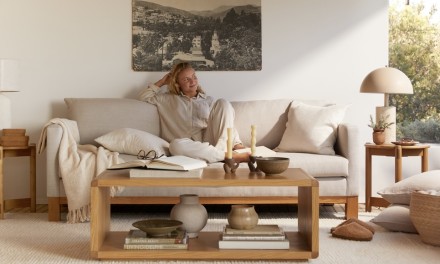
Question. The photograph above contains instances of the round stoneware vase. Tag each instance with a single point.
(379, 137)
(242, 216)
(191, 213)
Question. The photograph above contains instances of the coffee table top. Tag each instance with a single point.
(211, 177)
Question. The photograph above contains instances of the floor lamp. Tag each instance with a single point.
(8, 83)
(387, 80)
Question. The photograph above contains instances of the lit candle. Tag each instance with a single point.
(253, 140)
(229, 144)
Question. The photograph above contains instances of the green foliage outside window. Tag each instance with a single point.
(414, 48)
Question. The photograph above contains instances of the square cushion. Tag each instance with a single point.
(311, 129)
(400, 192)
(395, 218)
(131, 141)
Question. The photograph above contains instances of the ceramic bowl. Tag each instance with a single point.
(272, 165)
(157, 227)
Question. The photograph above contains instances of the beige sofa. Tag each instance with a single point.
(338, 174)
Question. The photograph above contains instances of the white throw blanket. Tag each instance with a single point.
(78, 164)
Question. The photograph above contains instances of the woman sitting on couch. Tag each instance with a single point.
(193, 122)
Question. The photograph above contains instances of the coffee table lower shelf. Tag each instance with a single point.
(205, 247)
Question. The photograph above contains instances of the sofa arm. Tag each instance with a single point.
(54, 133)
(348, 145)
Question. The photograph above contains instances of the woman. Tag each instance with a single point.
(194, 123)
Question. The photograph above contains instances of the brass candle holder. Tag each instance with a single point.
(230, 165)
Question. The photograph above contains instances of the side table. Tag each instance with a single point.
(391, 150)
(20, 152)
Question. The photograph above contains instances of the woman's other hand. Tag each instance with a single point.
(165, 80)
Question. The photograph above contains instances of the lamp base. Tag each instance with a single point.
(389, 113)
(5, 112)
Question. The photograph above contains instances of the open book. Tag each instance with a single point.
(180, 163)
(260, 151)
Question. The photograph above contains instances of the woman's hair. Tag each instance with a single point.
(173, 86)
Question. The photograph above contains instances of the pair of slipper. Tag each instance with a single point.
(353, 229)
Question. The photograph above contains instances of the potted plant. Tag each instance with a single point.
(379, 128)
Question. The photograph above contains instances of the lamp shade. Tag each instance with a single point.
(387, 80)
(9, 75)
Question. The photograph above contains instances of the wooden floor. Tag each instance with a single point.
(339, 208)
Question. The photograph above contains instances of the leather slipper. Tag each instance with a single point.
(351, 220)
(353, 231)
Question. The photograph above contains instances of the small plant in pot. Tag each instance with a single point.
(379, 128)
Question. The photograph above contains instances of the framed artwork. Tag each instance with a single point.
(213, 35)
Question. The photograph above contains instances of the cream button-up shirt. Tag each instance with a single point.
(180, 116)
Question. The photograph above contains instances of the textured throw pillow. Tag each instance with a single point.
(130, 141)
(400, 192)
(311, 129)
(395, 218)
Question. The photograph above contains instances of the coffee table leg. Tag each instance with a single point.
(308, 216)
(100, 218)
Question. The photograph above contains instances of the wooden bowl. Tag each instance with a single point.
(272, 165)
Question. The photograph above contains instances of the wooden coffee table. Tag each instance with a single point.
(304, 244)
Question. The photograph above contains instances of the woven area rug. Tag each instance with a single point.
(30, 238)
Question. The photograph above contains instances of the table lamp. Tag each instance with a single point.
(387, 80)
(8, 83)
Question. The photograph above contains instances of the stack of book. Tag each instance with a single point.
(260, 237)
(138, 239)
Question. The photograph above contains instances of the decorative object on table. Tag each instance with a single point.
(9, 73)
(14, 137)
(379, 128)
(259, 237)
(157, 227)
(191, 213)
(406, 142)
(272, 165)
(387, 80)
(230, 165)
(425, 215)
(242, 216)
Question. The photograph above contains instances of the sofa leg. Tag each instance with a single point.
(54, 209)
(351, 207)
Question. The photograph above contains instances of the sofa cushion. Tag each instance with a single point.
(311, 129)
(400, 192)
(94, 118)
(131, 141)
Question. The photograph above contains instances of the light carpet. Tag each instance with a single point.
(30, 238)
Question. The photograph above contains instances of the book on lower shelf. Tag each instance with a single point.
(260, 237)
(148, 173)
(137, 239)
(178, 163)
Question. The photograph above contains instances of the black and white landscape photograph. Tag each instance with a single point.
(213, 35)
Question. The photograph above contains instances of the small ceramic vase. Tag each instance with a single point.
(242, 216)
(379, 137)
(191, 213)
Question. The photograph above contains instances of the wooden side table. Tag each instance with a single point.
(20, 152)
(391, 150)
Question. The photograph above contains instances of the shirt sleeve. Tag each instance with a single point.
(148, 94)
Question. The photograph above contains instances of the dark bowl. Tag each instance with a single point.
(157, 227)
(272, 165)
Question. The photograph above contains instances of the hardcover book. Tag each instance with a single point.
(258, 230)
(148, 173)
(136, 236)
(260, 151)
(155, 246)
(254, 244)
(178, 163)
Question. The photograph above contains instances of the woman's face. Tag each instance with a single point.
(188, 83)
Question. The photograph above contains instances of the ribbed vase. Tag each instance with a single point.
(191, 213)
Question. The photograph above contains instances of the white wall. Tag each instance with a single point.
(81, 48)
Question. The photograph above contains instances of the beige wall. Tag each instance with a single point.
(81, 48)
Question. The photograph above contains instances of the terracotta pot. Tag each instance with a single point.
(243, 217)
(379, 137)
(191, 213)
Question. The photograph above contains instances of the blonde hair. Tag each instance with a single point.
(173, 86)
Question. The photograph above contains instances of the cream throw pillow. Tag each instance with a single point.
(311, 129)
(130, 141)
(400, 192)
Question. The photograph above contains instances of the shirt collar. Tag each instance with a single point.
(199, 95)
